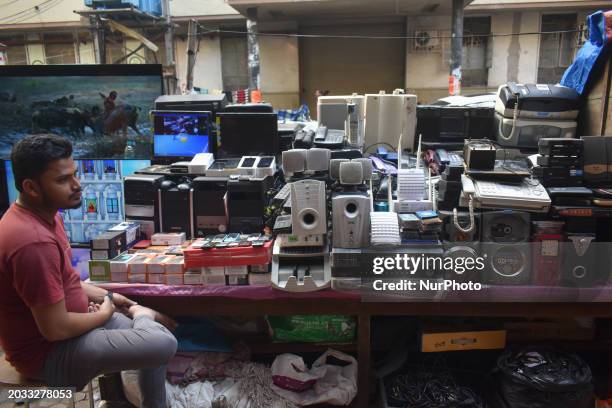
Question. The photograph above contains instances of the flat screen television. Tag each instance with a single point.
(248, 134)
(102, 109)
(181, 135)
(103, 199)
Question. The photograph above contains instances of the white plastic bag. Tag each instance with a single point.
(323, 383)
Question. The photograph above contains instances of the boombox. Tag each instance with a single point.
(585, 262)
(505, 244)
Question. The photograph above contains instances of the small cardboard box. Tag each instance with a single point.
(158, 278)
(138, 265)
(168, 238)
(239, 270)
(452, 339)
(265, 268)
(157, 264)
(119, 277)
(237, 280)
(113, 242)
(213, 280)
(174, 279)
(213, 271)
(175, 265)
(121, 263)
(99, 271)
(260, 278)
(137, 278)
(193, 278)
(132, 232)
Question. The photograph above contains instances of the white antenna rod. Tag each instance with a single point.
(399, 152)
(418, 154)
(429, 191)
(390, 194)
(371, 197)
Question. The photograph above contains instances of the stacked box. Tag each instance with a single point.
(132, 232)
(168, 238)
(213, 275)
(260, 274)
(156, 265)
(99, 271)
(119, 267)
(175, 265)
(137, 269)
(174, 279)
(193, 277)
(108, 245)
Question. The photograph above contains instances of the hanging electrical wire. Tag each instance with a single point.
(208, 30)
(30, 12)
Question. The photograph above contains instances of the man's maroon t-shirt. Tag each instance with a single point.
(35, 270)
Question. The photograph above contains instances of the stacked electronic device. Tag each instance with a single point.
(560, 162)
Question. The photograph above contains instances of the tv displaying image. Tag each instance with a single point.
(102, 109)
(103, 199)
(181, 134)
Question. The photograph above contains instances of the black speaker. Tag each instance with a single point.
(142, 199)
(4, 198)
(246, 204)
(177, 211)
(209, 212)
(585, 261)
(480, 123)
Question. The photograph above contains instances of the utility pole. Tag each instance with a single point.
(169, 45)
(253, 48)
(191, 51)
(456, 48)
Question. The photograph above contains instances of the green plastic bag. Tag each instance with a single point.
(313, 329)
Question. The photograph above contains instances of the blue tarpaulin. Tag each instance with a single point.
(577, 75)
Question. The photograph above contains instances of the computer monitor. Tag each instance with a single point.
(179, 136)
(102, 109)
(248, 134)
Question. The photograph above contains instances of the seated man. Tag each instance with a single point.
(54, 327)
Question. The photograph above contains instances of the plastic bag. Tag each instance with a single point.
(536, 378)
(306, 328)
(334, 384)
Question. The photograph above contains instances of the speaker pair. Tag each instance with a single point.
(300, 160)
(351, 172)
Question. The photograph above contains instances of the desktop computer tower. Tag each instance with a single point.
(142, 199)
(176, 212)
(246, 204)
(209, 209)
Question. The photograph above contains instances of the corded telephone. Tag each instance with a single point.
(527, 195)
(329, 138)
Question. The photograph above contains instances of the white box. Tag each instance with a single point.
(137, 278)
(260, 278)
(157, 264)
(236, 270)
(138, 265)
(213, 271)
(121, 263)
(237, 280)
(175, 265)
(156, 278)
(200, 163)
(174, 279)
(119, 277)
(191, 278)
(168, 238)
(213, 280)
(99, 254)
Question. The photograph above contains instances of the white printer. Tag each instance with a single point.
(526, 113)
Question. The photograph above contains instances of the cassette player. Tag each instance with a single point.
(559, 176)
(560, 147)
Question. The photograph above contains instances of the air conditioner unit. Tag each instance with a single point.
(426, 40)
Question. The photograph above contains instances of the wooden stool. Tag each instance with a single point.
(11, 378)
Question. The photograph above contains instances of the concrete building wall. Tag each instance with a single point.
(207, 70)
(280, 73)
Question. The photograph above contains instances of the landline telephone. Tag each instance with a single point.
(528, 195)
(329, 138)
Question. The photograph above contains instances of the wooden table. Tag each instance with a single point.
(256, 301)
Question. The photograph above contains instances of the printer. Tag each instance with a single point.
(526, 113)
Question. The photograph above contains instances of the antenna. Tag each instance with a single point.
(418, 153)
(399, 152)
(390, 194)
(371, 197)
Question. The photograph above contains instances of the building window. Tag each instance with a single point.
(556, 49)
(59, 48)
(475, 61)
(112, 205)
(15, 49)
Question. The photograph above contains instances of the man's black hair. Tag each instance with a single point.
(32, 155)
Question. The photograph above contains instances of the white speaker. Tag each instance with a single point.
(308, 210)
(294, 161)
(334, 168)
(351, 174)
(366, 165)
(317, 159)
(351, 220)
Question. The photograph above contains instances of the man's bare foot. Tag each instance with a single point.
(138, 310)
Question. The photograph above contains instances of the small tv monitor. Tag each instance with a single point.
(102, 109)
(248, 134)
(181, 135)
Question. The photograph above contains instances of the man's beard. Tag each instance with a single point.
(75, 206)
